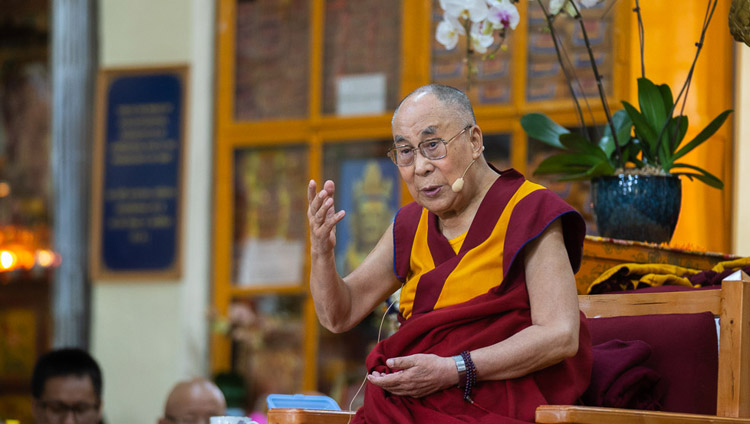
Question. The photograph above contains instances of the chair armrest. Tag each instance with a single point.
(308, 416)
(550, 414)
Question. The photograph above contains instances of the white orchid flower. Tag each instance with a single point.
(474, 10)
(504, 14)
(447, 34)
(586, 4)
(479, 39)
(556, 5)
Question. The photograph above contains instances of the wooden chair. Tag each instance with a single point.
(731, 304)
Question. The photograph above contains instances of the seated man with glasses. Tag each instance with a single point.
(490, 325)
(194, 402)
(67, 388)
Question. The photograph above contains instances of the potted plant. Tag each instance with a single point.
(636, 190)
(635, 163)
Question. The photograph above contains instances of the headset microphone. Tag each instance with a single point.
(458, 185)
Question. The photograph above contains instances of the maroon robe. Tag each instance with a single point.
(482, 321)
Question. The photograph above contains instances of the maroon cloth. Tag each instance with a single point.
(621, 281)
(684, 354)
(713, 278)
(636, 388)
(482, 321)
(620, 380)
(618, 282)
(446, 332)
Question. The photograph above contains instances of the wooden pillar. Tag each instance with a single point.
(733, 397)
(74, 65)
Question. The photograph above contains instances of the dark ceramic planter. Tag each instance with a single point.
(637, 207)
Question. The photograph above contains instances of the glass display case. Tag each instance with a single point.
(546, 81)
(361, 56)
(271, 83)
(270, 207)
(267, 333)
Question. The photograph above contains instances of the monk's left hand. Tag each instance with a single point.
(417, 375)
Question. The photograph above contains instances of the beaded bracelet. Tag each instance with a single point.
(471, 375)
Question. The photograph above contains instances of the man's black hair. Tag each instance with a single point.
(63, 363)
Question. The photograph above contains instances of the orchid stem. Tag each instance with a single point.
(499, 45)
(599, 84)
(568, 77)
(686, 86)
(641, 36)
(469, 54)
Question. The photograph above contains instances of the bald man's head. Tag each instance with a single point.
(195, 400)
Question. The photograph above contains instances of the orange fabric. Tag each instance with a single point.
(482, 266)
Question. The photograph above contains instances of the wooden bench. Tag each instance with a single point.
(731, 304)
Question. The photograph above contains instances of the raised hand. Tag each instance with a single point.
(322, 218)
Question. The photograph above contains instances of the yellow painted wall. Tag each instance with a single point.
(671, 31)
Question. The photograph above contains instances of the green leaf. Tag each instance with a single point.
(674, 142)
(603, 168)
(630, 154)
(623, 127)
(544, 129)
(664, 156)
(607, 143)
(575, 166)
(578, 143)
(666, 95)
(703, 175)
(563, 161)
(576, 177)
(703, 135)
(652, 104)
(638, 163)
(643, 129)
(710, 181)
(675, 131)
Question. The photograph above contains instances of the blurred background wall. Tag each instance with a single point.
(148, 335)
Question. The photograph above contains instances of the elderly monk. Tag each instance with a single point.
(193, 402)
(490, 325)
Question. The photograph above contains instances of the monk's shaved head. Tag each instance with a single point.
(194, 398)
(451, 98)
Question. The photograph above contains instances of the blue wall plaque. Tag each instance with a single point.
(140, 196)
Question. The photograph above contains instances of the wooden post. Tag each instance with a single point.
(733, 397)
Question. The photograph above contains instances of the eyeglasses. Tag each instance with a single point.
(432, 149)
(82, 412)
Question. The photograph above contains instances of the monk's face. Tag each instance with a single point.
(68, 399)
(422, 117)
